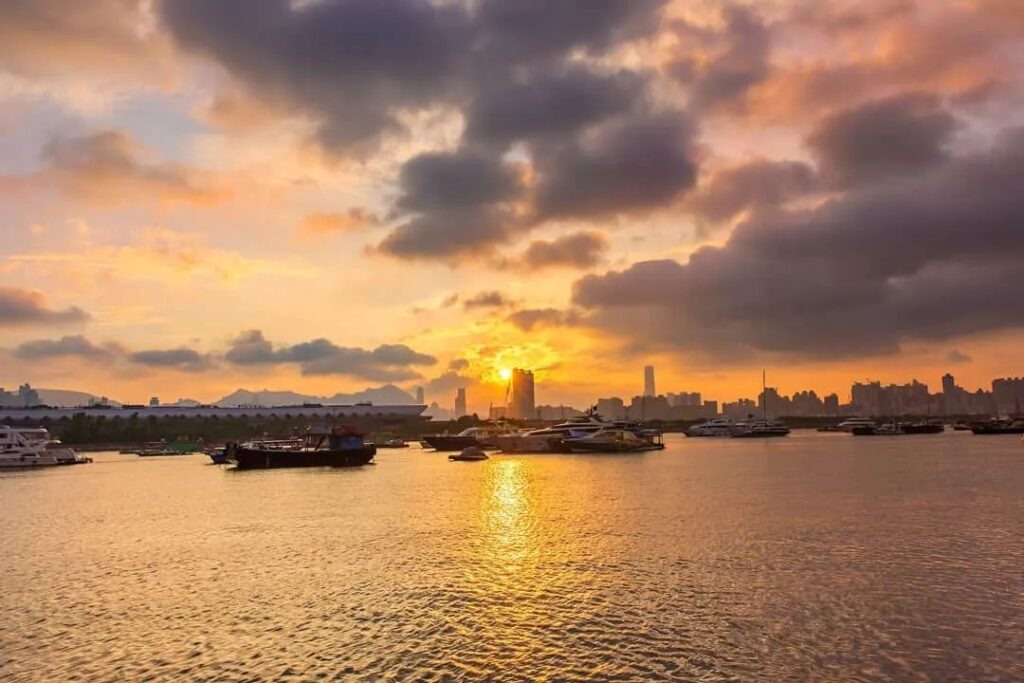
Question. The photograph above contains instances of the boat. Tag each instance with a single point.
(549, 439)
(851, 423)
(887, 429)
(218, 456)
(927, 427)
(481, 437)
(34, 447)
(471, 454)
(763, 428)
(393, 443)
(717, 427)
(162, 448)
(328, 447)
(759, 429)
(609, 440)
(961, 427)
(998, 425)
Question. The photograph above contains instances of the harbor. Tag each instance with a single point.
(421, 568)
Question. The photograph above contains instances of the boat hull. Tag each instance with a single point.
(253, 458)
(985, 430)
(443, 442)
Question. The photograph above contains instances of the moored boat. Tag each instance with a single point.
(481, 437)
(716, 427)
(759, 429)
(610, 440)
(393, 443)
(998, 425)
(471, 454)
(334, 447)
(34, 447)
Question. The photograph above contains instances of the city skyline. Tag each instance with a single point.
(190, 205)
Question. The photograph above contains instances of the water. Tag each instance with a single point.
(821, 557)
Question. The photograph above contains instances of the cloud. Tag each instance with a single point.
(27, 307)
(47, 37)
(389, 362)
(78, 346)
(532, 318)
(634, 165)
(186, 360)
(318, 224)
(757, 184)
(110, 167)
(491, 299)
(550, 103)
(448, 382)
(958, 357)
(576, 250)
(928, 256)
(68, 346)
(743, 59)
(441, 180)
(894, 136)
(458, 364)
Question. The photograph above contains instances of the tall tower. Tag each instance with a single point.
(649, 381)
(521, 404)
(419, 396)
(460, 402)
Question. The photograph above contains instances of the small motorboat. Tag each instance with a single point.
(218, 456)
(610, 441)
(393, 443)
(471, 454)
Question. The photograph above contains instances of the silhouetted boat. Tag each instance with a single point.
(999, 425)
(923, 427)
(717, 427)
(759, 429)
(393, 443)
(610, 441)
(336, 447)
(471, 454)
(481, 437)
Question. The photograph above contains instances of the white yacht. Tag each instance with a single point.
(851, 423)
(549, 439)
(33, 447)
(719, 426)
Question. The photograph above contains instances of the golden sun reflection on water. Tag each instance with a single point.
(508, 515)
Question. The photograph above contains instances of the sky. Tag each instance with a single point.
(326, 195)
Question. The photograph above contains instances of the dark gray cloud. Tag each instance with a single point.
(550, 103)
(635, 165)
(928, 256)
(450, 234)
(25, 307)
(523, 31)
(447, 383)
(899, 135)
(742, 61)
(73, 346)
(186, 360)
(440, 181)
(757, 184)
(458, 364)
(492, 299)
(353, 64)
(389, 362)
(531, 318)
(350, 64)
(577, 250)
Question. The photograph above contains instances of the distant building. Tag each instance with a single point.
(460, 402)
(831, 405)
(557, 413)
(611, 408)
(154, 401)
(1008, 395)
(497, 413)
(649, 381)
(740, 409)
(419, 396)
(685, 399)
(521, 404)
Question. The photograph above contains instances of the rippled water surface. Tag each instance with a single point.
(821, 557)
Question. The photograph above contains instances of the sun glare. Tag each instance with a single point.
(505, 373)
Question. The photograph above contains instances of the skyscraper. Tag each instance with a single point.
(521, 403)
(419, 396)
(649, 381)
(460, 402)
